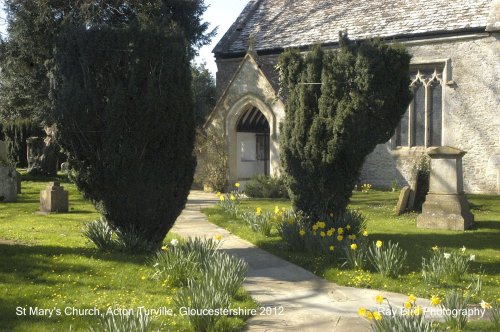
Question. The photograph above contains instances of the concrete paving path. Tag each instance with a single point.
(308, 303)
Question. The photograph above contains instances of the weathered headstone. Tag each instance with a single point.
(446, 206)
(42, 153)
(403, 200)
(53, 198)
(65, 167)
(8, 183)
(413, 191)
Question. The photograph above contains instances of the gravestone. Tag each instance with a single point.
(8, 183)
(403, 200)
(65, 167)
(53, 198)
(445, 205)
(413, 191)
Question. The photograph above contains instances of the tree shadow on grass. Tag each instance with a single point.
(32, 262)
(8, 318)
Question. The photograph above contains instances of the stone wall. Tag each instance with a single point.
(471, 113)
(471, 109)
(248, 88)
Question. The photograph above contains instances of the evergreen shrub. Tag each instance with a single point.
(261, 186)
(339, 105)
(16, 132)
(122, 101)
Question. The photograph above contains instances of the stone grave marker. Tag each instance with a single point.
(446, 206)
(8, 183)
(403, 200)
(53, 198)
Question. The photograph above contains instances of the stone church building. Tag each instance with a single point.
(455, 79)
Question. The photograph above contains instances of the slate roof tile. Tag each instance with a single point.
(293, 23)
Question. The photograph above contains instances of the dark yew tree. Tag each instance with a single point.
(122, 102)
(357, 98)
(33, 27)
(124, 114)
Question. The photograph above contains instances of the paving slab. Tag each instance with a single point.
(297, 300)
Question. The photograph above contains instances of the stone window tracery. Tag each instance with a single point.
(421, 126)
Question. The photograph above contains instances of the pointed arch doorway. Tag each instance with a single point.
(253, 144)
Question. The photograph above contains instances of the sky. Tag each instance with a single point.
(220, 13)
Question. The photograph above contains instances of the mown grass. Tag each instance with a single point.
(383, 224)
(50, 265)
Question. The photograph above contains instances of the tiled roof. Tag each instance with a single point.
(278, 24)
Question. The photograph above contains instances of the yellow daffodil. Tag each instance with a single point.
(315, 227)
(322, 234)
(276, 210)
(340, 231)
(330, 232)
(258, 211)
(222, 198)
(164, 248)
(332, 248)
(218, 194)
(407, 305)
(369, 315)
(340, 237)
(354, 246)
(348, 227)
(412, 298)
(232, 197)
(237, 184)
(365, 233)
(379, 299)
(435, 300)
(362, 311)
(379, 244)
(302, 232)
(352, 237)
(418, 311)
(321, 224)
(218, 237)
(485, 305)
(435, 248)
(377, 315)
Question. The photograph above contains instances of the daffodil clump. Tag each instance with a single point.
(494, 310)
(409, 319)
(207, 277)
(387, 259)
(366, 187)
(326, 236)
(446, 265)
(230, 201)
(356, 252)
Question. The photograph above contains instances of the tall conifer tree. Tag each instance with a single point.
(340, 105)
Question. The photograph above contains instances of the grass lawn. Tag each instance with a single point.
(383, 225)
(51, 266)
